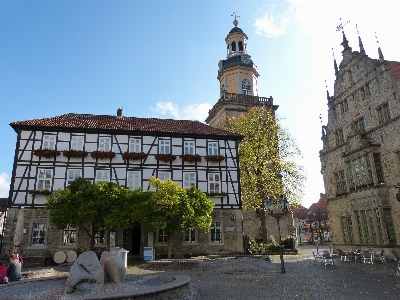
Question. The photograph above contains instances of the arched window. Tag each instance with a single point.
(233, 46)
(240, 46)
(223, 89)
(245, 87)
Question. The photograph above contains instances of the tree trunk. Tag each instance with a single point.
(94, 230)
(169, 245)
(263, 225)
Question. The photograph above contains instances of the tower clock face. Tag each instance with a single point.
(245, 59)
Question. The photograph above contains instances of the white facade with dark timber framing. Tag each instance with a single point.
(34, 175)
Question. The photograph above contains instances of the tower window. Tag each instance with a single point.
(245, 87)
(233, 46)
(240, 46)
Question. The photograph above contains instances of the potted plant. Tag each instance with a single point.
(74, 153)
(40, 192)
(46, 153)
(214, 158)
(102, 154)
(190, 158)
(134, 155)
(165, 157)
(216, 194)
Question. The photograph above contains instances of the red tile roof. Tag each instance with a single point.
(394, 67)
(122, 123)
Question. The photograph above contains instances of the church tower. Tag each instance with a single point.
(238, 80)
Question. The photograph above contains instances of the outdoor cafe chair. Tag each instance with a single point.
(367, 257)
(327, 258)
(317, 257)
(379, 256)
(343, 256)
(357, 255)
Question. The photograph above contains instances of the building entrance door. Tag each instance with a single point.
(132, 239)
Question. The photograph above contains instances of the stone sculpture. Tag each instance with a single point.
(113, 266)
(86, 273)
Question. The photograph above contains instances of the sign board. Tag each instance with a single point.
(230, 228)
(148, 253)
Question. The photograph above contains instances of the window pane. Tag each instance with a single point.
(134, 145)
(49, 142)
(164, 147)
(104, 144)
(38, 234)
(77, 143)
(212, 148)
(133, 180)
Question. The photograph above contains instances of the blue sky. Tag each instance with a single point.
(160, 59)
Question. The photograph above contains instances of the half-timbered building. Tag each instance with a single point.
(52, 152)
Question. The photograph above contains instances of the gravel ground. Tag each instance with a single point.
(243, 278)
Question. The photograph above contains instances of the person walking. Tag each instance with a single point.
(14, 268)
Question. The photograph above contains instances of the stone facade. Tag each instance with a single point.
(361, 152)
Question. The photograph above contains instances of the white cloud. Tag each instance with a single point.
(191, 112)
(272, 26)
(4, 185)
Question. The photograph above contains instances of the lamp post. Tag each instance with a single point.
(269, 204)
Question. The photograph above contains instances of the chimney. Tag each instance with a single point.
(119, 112)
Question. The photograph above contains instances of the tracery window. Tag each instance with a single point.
(245, 87)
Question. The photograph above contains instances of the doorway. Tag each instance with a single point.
(132, 239)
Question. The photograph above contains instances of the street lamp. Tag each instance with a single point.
(269, 204)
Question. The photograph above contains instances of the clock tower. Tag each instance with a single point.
(238, 80)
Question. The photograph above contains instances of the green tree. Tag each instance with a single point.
(269, 160)
(174, 208)
(93, 207)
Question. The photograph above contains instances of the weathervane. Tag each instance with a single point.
(235, 22)
(341, 25)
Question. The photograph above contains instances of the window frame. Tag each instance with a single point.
(69, 233)
(44, 179)
(162, 174)
(189, 180)
(163, 235)
(339, 137)
(38, 241)
(135, 144)
(246, 88)
(384, 114)
(212, 181)
(78, 144)
(164, 146)
(75, 177)
(190, 236)
(215, 231)
(212, 148)
(134, 183)
(189, 147)
(101, 234)
(47, 143)
(104, 144)
(360, 126)
(101, 171)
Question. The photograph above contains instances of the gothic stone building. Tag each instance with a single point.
(361, 152)
(36, 173)
(238, 82)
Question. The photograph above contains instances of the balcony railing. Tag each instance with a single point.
(240, 98)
